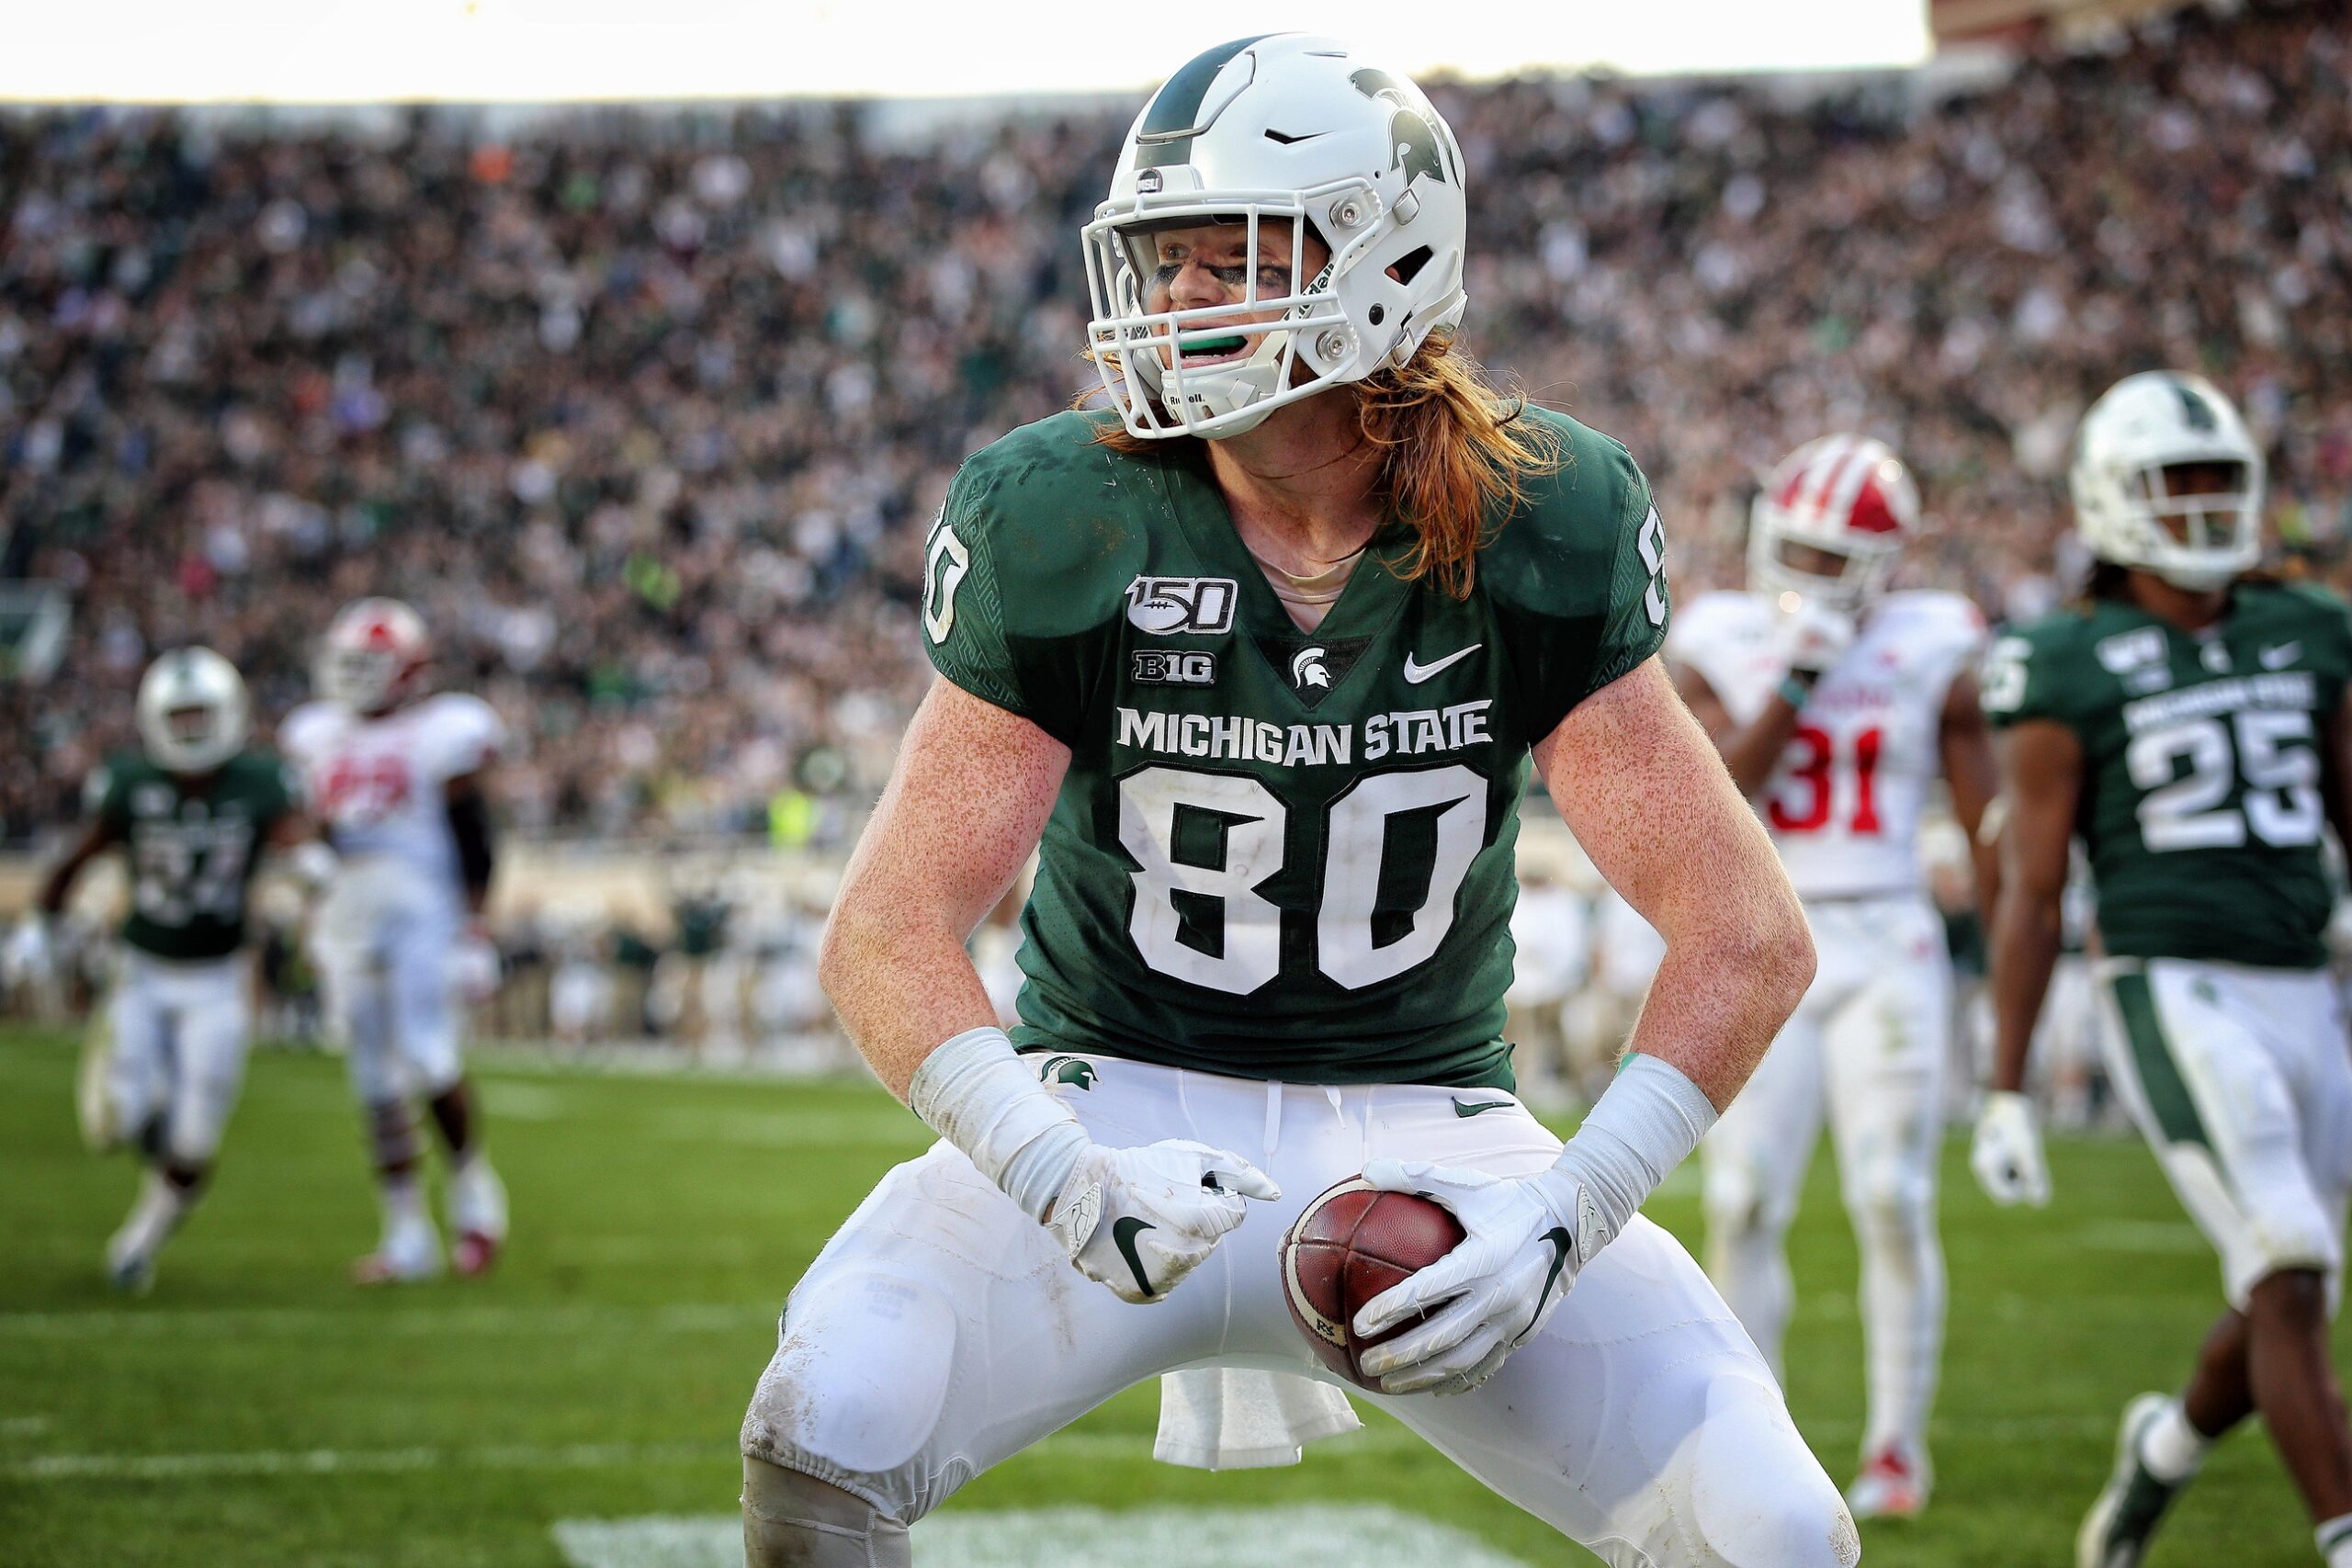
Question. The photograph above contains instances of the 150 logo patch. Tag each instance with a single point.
(1165, 606)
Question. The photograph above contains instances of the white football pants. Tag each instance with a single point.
(383, 940)
(2241, 1079)
(181, 1030)
(941, 1330)
(1867, 1049)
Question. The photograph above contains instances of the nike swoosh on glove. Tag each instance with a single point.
(1492, 1294)
(1139, 1220)
(2006, 1153)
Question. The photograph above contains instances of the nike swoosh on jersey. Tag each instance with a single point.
(1467, 1108)
(1124, 1232)
(1416, 673)
(2278, 658)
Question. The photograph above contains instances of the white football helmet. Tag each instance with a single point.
(2124, 510)
(1287, 129)
(193, 711)
(374, 656)
(1847, 496)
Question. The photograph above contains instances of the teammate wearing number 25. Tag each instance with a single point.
(2190, 724)
(1837, 705)
(1256, 664)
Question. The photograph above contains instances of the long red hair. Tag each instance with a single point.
(1457, 455)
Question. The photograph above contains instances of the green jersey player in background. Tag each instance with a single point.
(1256, 665)
(192, 811)
(2190, 724)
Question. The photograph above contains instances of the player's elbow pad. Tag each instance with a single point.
(470, 825)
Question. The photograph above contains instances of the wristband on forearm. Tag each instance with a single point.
(1645, 1123)
(312, 864)
(973, 1091)
(1794, 689)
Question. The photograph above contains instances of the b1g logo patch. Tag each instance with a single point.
(2129, 650)
(1166, 667)
(1165, 606)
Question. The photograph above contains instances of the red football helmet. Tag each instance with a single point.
(374, 656)
(1828, 524)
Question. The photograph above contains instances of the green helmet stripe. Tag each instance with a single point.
(1174, 119)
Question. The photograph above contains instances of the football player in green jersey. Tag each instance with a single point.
(1257, 663)
(2189, 723)
(192, 811)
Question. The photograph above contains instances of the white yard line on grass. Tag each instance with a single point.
(240, 1323)
(1068, 1446)
(348, 1461)
(1079, 1538)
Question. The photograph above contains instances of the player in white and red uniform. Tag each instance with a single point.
(395, 775)
(1837, 706)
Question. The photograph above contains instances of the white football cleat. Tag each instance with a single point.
(1893, 1485)
(407, 1254)
(476, 1217)
(131, 1268)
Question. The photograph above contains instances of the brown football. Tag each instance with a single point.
(1347, 1245)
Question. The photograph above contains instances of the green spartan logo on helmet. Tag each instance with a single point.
(1412, 140)
(2195, 409)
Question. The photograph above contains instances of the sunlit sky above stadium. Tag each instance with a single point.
(538, 50)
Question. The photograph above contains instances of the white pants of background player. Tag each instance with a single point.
(180, 1035)
(1867, 1050)
(942, 1330)
(2241, 1079)
(383, 940)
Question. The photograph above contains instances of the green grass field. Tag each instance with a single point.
(256, 1410)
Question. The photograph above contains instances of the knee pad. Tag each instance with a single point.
(1892, 1196)
(853, 1394)
(1759, 1498)
(199, 1114)
(794, 1521)
(1736, 1197)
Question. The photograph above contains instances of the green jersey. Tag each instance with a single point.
(2200, 805)
(192, 851)
(1277, 853)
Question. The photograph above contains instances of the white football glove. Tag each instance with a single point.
(473, 967)
(2006, 1152)
(1813, 638)
(1139, 1220)
(1493, 1292)
(31, 951)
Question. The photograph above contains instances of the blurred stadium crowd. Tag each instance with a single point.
(647, 412)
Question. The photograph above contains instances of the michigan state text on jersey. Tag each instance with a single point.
(1278, 852)
(1256, 669)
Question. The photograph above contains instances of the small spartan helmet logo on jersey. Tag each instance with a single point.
(1306, 670)
(1074, 1070)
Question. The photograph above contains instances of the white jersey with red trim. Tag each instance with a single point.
(1843, 803)
(380, 784)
